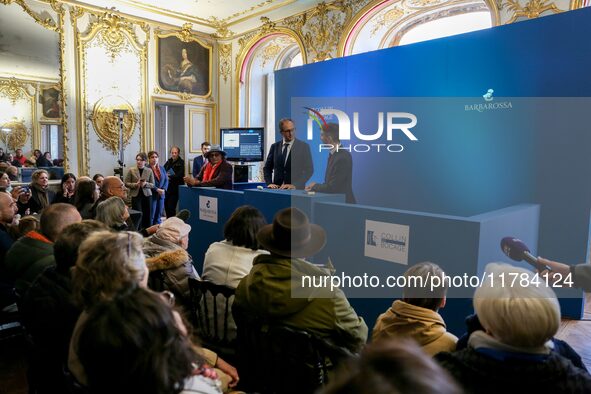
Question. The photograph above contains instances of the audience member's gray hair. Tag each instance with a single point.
(111, 211)
(516, 309)
(418, 290)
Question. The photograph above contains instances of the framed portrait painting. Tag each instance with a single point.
(51, 102)
(184, 65)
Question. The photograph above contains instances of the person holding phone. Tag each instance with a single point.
(140, 182)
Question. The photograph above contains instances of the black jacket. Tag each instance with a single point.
(338, 177)
(175, 177)
(480, 373)
(49, 314)
(296, 170)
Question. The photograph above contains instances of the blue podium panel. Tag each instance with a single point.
(210, 209)
(269, 201)
(371, 248)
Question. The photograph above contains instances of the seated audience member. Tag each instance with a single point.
(49, 313)
(67, 188)
(19, 160)
(24, 226)
(266, 293)
(167, 259)
(8, 210)
(34, 157)
(147, 351)
(12, 172)
(113, 212)
(109, 262)
(32, 253)
(227, 262)
(44, 160)
(98, 178)
(23, 199)
(415, 316)
(5, 183)
(2, 155)
(559, 346)
(392, 366)
(217, 172)
(112, 186)
(85, 195)
(41, 194)
(513, 352)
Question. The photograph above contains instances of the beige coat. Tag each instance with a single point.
(133, 176)
(424, 325)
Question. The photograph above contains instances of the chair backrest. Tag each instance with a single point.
(274, 358)
(211, 314)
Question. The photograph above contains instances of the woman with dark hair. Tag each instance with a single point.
(67, 188)
(140, 181)
(41, 195)
(85, 196)
(44, 160)
(150, 353)
(227, 262)
(98, 178)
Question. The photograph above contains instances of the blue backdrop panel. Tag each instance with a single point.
(468, 162)
(453, 242)
(204, 233)
(270, 201)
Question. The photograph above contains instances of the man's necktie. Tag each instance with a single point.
(284, 153)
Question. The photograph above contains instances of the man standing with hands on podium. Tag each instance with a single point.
(289, 163)
(339, 170)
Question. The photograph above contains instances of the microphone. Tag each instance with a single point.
(516, 250)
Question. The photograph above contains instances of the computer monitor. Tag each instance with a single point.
(243, 143)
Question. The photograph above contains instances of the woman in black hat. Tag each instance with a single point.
(216, 173)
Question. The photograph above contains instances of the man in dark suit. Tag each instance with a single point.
(338, 177)
(289, 163)
(200, 160)
(217, 172)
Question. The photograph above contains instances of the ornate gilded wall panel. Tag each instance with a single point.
(18, 107)
(111, 69)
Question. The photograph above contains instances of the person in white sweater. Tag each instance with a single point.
(228, 261)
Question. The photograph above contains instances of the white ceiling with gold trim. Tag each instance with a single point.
(206, 15)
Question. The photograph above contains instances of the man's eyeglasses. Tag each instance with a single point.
(215, 154)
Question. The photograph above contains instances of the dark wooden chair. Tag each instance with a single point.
(274, 358)
(212, 318)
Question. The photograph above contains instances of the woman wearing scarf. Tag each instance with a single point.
(216, 173)
(41, 195)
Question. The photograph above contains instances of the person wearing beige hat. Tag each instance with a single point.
(217, 172)
(167, 259)
(273, 291)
